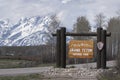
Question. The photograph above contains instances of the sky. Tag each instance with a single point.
(66, 10)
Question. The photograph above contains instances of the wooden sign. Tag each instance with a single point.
(81, 49)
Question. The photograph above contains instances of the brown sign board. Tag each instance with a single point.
(81, 49)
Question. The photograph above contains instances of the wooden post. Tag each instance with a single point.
(98, 51)
(58, 52)
(103, 52)
(63, 47)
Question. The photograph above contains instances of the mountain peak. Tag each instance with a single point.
(4, 23)
(28, 31)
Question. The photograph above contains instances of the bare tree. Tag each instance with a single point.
(100, 20)
(118, 12)
(55, 24)
(113, 41)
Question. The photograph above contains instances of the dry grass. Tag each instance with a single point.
(8, 63)
(25, 77)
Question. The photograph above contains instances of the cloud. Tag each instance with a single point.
(61, 15)
(14, 9)
(65, 1)
(90, 8)
(67, 10)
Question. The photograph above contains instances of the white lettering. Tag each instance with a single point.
(74, 50)
(77, 54)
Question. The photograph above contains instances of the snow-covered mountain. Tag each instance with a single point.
(28, 31)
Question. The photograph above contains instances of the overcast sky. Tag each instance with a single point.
(67, 10)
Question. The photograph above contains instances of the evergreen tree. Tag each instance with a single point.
(82, 25)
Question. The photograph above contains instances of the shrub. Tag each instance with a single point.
(109, 75)
(118, 63)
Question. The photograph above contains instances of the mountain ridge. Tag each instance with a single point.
(27, 31)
